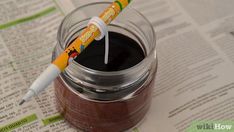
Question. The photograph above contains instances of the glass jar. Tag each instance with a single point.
(98, 101)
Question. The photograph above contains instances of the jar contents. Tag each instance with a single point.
(124, 53)
(106, 115)
(102, 116)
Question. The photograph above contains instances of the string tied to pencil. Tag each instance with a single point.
(101, 25)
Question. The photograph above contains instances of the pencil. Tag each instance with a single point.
(76, 47)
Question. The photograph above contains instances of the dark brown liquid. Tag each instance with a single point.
(106, 116)
(124, 53)
(103, 116)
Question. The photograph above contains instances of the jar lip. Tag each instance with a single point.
(111, 73)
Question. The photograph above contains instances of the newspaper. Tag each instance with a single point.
(195, 78)
(27, 38)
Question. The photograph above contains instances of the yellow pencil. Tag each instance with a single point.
(62, 61)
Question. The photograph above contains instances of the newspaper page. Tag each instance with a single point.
(195, 79)
(196, 72)
(28, 31)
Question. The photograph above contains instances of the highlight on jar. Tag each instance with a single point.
(103, 67)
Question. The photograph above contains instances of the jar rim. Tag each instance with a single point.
(152, 51)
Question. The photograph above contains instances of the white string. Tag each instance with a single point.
(106, 47)
(104, 32)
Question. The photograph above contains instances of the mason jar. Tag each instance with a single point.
(106, 101)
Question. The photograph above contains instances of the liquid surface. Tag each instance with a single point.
(124, 53)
